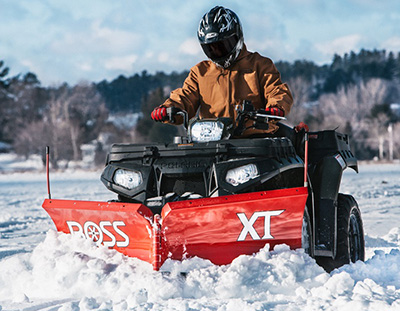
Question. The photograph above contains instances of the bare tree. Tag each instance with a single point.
(55, 127)
(82, 112)
(73, 116)
(396, 140)
(352, 104)
(378, 129)
(300, 89)
(350, 110)
(373, 92)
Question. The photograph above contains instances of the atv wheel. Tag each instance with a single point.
(350, 235)
(306, 234)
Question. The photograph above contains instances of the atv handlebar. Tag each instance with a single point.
(244, 112)
(247, 110)
(259, 115)
(173, 111)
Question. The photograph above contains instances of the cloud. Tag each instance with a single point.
(340, 45)
(392, 44)
(97, 39)
(123, 63)
(164, 57)
(86, 67)
(190, 47)
(31, 65)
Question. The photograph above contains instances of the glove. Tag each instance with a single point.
(301, 126)
(275, 111)
(159, 114)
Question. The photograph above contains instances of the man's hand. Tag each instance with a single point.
(159, 114)
(275, 111)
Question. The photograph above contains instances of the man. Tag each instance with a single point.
(233, 74)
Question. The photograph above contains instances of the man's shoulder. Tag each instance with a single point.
(204, 67)
(255, 56)
(257, 62)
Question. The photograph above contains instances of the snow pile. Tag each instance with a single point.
(393, 236)
(70, 273)
(41, 269)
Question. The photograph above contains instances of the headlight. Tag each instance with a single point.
(242, 174)
(127, 179)
(206, 131)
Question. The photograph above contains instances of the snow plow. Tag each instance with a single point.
(216, 198)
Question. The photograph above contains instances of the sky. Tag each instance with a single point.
(94, 40)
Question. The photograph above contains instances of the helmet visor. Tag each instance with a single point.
(220, 49)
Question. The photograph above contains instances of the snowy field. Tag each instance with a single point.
(41, 269)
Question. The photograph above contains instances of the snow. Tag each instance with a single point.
(41, 269)
(10, 162)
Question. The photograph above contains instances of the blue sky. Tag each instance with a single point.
(70, 41)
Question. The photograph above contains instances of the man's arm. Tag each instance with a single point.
(187, 97)
(276, 93)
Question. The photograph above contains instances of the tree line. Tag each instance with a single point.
(355, 93)
(359, 94)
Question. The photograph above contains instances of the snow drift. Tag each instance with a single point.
(41, 269)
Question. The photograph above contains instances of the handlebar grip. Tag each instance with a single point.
(264, 114)
(173, 111)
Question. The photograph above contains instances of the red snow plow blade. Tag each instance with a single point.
(219, 229)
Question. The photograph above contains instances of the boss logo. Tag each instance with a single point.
(248, 225)
(96, 232)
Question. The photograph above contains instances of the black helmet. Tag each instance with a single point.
(221, 36)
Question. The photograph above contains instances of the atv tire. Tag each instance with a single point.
(306, 234)
(350, 235)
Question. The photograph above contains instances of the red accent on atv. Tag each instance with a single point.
(219, 229)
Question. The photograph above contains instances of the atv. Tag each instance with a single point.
(215, 196)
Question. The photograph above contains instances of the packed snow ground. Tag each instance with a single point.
(41, 269)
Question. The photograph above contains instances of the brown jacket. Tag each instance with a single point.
(217, 91)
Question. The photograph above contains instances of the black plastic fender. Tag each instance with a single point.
(326, 178)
